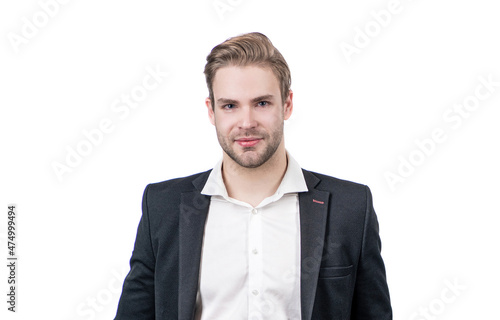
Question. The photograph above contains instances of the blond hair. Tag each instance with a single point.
(244, 50)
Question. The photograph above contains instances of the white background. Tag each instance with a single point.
(354, 120)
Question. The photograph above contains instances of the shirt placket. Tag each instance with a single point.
(255, 263)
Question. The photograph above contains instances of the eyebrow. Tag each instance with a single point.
(254, 100)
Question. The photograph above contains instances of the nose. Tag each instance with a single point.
(247, 118)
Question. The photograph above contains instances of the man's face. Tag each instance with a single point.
(248, 113)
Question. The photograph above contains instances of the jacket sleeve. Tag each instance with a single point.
(137, 298)
(371, 294)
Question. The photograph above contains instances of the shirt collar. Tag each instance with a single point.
(293, 180)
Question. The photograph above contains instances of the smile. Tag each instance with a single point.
(248, 142)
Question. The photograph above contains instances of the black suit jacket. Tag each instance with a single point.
(342, 272)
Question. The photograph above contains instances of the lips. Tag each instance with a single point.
(248, 142)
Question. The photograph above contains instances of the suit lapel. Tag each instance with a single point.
(193, 213)
(313, 212)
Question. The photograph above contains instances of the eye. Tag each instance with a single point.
(263, 103)
(228, 106)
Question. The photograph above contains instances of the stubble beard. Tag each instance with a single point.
(246, 160)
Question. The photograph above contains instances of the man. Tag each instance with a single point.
(256, 237)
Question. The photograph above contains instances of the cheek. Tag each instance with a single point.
(272, 121)
(223, 125)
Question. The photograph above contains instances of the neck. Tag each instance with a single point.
(252, 185)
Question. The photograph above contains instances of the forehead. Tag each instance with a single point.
(244, 82)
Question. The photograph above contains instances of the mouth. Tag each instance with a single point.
(248, 141)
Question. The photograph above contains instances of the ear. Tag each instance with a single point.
(211, 114)
(288, 106)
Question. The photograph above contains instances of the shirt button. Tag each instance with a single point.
(254, 251)
(255, 292)
(254, 211)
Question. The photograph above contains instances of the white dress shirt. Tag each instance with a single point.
(250, 265)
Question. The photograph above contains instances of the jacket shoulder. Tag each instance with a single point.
(348, 199)
(327, 183)
(182, 184)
